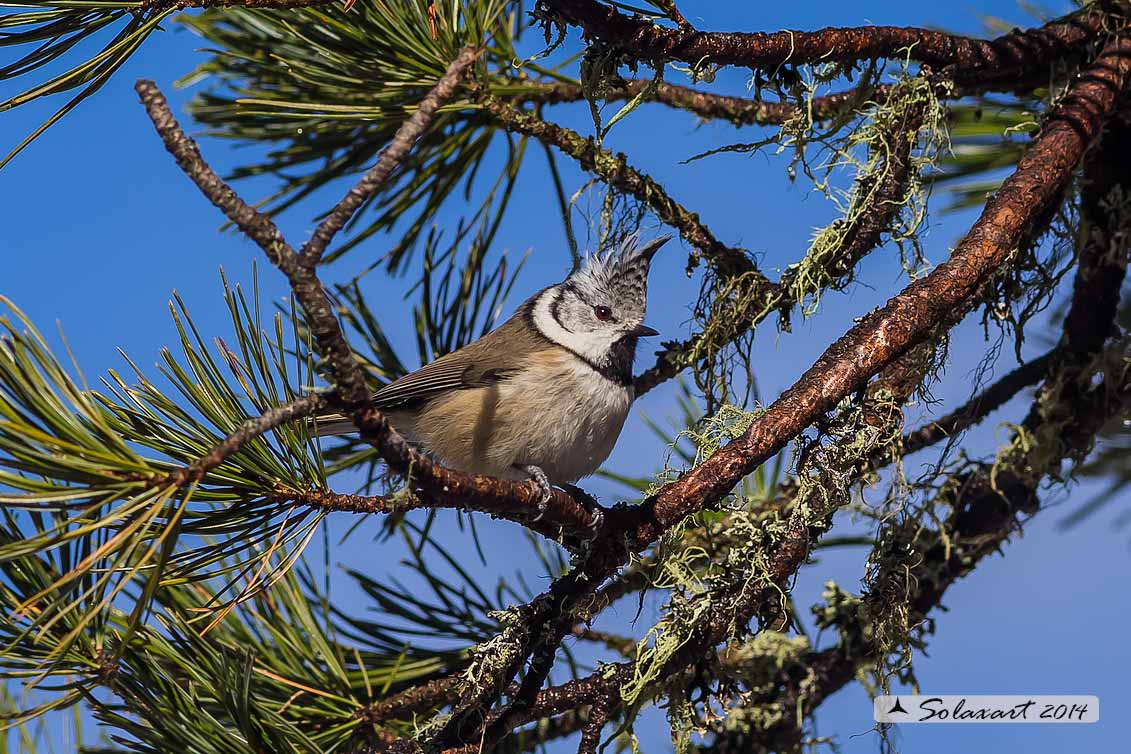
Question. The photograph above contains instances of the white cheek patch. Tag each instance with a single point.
(593, 346)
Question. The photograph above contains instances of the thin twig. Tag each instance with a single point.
(250, 429)
(254, 224)
(614, 170)
(739, 111)
(980, 406)
(570, 531)
(390, 157)
(300, 408)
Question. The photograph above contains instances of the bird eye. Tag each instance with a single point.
(603, 313)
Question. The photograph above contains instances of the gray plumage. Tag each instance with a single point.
(547, 391)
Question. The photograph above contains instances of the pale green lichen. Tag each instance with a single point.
(493, 657)
(698, 558)
(911, 119)
(713, 561)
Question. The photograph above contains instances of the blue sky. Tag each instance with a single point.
(100, 227)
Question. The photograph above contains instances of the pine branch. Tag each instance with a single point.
(591, 733)
(981, 522)
(1009, 220)
(1009, 57)
(418, 698)
(570, 526)
(257, 226)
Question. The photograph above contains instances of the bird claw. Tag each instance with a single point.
(587, 501)
(595, 509)
(544, 488)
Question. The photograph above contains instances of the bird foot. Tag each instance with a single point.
(542, 482)
(590, 504)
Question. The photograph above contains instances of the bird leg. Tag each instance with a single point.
(542, 482)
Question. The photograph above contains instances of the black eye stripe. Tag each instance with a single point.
(555, 306)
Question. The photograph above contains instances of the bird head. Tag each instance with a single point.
(598, 311)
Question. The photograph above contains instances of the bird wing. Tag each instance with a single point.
(492, 358)
(440, 376)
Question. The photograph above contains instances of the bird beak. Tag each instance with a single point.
(643, 331)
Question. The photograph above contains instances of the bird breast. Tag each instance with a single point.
(557, 413)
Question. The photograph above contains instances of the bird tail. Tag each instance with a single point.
(329, 425)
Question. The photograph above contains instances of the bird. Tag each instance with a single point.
(545, 395)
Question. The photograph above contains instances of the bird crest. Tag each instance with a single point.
(620, 270)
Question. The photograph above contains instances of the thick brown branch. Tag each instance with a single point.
(591, 733)
(1011, 56)
(390, 157)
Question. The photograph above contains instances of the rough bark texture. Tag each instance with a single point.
(1005, 57)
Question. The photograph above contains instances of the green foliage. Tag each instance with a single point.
(268, 676)
(93, 509)
(986, 141)
(115, 578)
(326, 112)
(50, 31)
